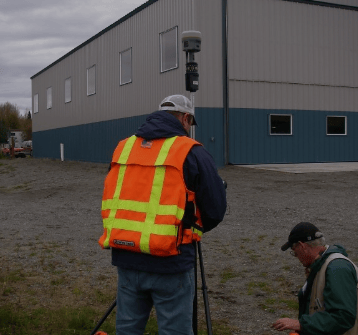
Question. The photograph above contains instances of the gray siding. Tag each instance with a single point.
(112, 101)
(289, 55)
(208, 21)
(284, 57)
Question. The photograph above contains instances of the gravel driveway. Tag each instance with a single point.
(50, 223)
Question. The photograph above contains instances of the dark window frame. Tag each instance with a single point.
(280, 133)
(330, 127)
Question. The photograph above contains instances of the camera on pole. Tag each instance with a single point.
(191, 44)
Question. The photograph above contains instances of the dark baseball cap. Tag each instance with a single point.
(303, 232)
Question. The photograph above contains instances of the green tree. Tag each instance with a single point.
(3, 132)
(10, 118)
(26, 126)
(9, 114)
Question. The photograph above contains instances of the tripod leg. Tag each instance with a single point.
(205, 292)
(99, 324)
(195, 303)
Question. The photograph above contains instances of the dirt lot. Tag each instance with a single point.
(50, 222)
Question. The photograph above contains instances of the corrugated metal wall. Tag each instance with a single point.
(141, 33)
(283, 56)
(95, 142)
(252, 144)
(289, 55)
(112, 101)
(291, 58)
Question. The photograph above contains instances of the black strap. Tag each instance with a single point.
(189, 218)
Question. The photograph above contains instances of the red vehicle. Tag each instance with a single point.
(18, 152)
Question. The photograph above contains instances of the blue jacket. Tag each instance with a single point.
(200, 175)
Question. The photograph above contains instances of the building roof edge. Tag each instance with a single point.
(113, 25)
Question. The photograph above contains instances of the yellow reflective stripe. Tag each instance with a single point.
(121, 172)
(149, 223)
(163, 153)
(137, 206)
(196, 231)
(137, 226)
(122, 169)
(126, 150)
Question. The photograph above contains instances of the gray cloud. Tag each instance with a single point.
(35, 33)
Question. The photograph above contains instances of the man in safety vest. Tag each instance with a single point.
(161, 194)
(328, 299)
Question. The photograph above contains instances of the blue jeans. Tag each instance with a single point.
(171, 294)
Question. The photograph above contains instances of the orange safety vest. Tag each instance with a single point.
(145, 197)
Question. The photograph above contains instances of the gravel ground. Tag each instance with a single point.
(50, 223)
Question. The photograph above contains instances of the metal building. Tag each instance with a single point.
(278, 81)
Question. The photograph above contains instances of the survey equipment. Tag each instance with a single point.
(191, 41)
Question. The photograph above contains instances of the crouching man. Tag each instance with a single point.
(328, 299)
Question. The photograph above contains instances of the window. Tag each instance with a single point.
(336, 125)
(91, 80)
(68, 90)
(125, 66)
(280, 124)
(169, 50)
(49, 98)
(36, 103)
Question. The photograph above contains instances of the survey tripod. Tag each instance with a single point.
(195, 305)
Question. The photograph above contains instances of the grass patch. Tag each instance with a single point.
(8, 291)
(24, 186)
(261, 237)
(267, 308)
(63, 321)
(270, 301)
(57, 282)
(66, 321)
(254, 286)
(227, 275)
(291, 304)
(7, 169)
(13, 277)
(102, 297)
(263, 274)
(253, 256)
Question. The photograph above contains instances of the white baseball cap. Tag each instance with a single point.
(178, 103)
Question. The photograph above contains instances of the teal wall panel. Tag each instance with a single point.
(249, 139)
(95, 142)
(251, 143)
(210, 132)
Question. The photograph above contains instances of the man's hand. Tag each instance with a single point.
(285, 324)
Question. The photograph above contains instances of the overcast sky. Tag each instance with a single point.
(35, 33)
